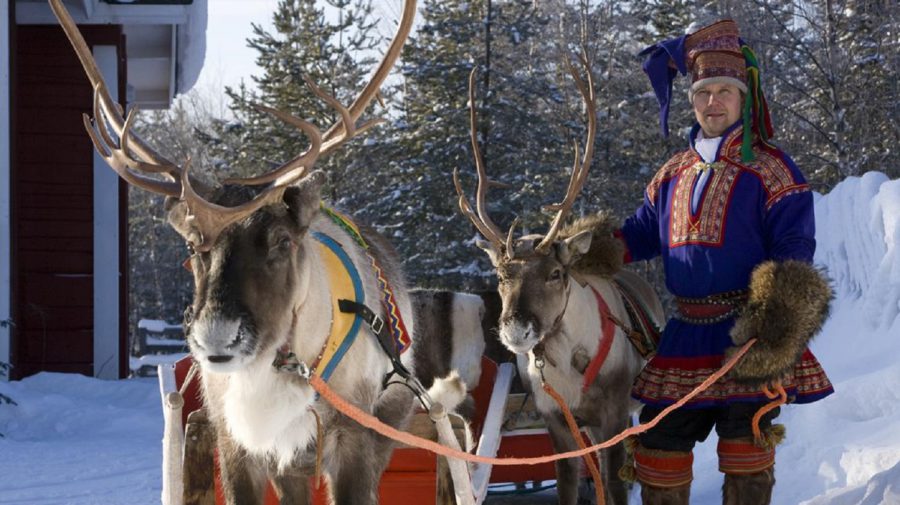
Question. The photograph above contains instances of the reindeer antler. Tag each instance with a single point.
(579, 169)
(481, 220)
(131, 156)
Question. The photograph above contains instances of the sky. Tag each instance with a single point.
(75, 440)
(229, 60)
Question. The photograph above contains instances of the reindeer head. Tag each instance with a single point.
(247, 238)
(533, 270)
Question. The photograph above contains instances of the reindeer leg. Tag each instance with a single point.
(292, 487)
(351, 463)
(611, 460)
(567, 470)
(243, 477)
(394, 408)
(616, 488)
(359, 456)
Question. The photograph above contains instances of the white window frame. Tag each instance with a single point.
(106, 241)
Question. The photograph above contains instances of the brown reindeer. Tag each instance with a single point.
(265, 293)
(556, 296)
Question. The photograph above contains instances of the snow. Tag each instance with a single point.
(77, 441)
(192, 47)
(157, 325)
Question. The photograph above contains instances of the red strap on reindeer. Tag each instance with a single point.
(607, 332)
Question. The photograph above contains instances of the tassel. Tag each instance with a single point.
(628, 473)
(756, 118)
(631, 444)
(771, 437)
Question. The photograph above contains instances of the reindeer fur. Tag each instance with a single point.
(605, 256)
(547, 312)
(261, 286)
(788, 304)
(452, 321)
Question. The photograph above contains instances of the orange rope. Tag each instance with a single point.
(780, 396)
(576, 433)
(370, 421)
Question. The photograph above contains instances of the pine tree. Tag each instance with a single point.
(523, 144)
(828, 68)
(305, 44)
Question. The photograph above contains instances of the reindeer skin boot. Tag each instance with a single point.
(749, 471)
(652, 495)
(749, 489)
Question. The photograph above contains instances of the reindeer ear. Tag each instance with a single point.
(575, 246)
(176, 215)
(303, 199)
(487, 247)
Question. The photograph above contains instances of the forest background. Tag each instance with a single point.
(829, 69)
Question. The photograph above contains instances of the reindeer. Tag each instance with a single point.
(268, 262)
(555, 290)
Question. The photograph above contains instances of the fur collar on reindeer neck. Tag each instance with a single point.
(605, 256)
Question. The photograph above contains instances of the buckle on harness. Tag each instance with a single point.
(377, 324)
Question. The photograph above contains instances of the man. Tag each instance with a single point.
(732, 218)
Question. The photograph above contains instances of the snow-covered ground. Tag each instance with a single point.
(79, 441)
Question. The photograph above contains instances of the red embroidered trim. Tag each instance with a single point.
(667, 380)
(664, 470)
(707, 226)
(743, 457)
(672, 168)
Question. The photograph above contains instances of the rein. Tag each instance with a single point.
(372, 422)
(607, 333)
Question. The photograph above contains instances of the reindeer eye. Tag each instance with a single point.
(282, 243)
(556, 275)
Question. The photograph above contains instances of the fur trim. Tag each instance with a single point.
(450, 391)
(605, 256)
(772, 437)
(787, 305)
(627, 472)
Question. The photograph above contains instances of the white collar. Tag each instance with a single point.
(707, 148)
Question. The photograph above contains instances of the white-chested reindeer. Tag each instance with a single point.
(269, 264)
(558, 290)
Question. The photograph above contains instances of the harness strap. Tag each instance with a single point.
(399, 332)
(644, 333)
(382, 334)
(607, 332)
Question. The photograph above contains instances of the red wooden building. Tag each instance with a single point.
(63, 239)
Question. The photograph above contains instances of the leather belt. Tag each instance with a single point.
(711, 309)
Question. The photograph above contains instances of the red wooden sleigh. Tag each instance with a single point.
(191, 477)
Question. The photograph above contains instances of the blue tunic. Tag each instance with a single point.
(747, 213)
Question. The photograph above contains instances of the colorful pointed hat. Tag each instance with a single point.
(715, 53)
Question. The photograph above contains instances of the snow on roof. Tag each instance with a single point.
(166, 42)
(191, 43)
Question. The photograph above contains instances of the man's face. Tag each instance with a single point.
(717, 106)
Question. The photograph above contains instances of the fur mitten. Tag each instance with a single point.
(605, 256)
(787, 305)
